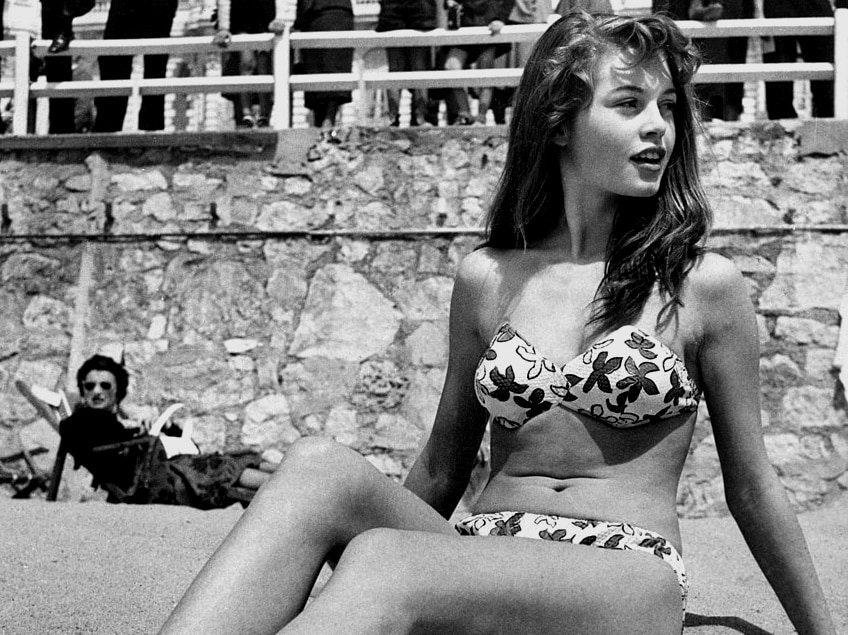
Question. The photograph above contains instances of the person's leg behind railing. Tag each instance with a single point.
(151, 116)
(263, 65)
(55, 23)
(779, 94)
(458, 108)
(486, 59)
(819, 49)
(397, 61)
(419, 60)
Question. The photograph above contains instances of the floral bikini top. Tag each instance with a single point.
(626, 379)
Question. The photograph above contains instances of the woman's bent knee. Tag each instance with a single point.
(320, 458)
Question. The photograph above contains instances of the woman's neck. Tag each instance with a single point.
(584, 228)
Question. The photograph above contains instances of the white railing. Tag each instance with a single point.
(282, 83)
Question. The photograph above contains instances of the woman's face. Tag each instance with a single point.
(100, 390)
(621, 143)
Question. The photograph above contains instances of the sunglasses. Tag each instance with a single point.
(91, 385)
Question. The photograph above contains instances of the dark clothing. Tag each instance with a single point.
(482, 12)
(56, 20)
(89, 428)
(407, 14)
(722, 101)
(779, 95)
(134, 19)
(202, 481)
(325, 15)
(251, 16)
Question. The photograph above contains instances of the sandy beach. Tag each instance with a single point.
(95, 568)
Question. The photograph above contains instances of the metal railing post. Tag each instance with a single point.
(281, 114)
(20, 101)
(840, 64)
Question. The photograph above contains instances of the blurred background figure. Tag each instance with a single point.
(779, 95)
(325, 15)
(718, 101)
(408, 14)
(250, 110)
(527, 12)
(463, 13)
(99, 438)
(590, 6)
(134, 19)
(56, 25)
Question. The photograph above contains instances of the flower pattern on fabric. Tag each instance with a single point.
(505, 384)
(629, 378)
(596, 533)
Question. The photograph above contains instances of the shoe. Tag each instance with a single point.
(262, 122)
(463, 119)
(60, 43)
(247, 122)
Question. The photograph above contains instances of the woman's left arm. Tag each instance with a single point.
(729, 367)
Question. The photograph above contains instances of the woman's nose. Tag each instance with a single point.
(655, 123)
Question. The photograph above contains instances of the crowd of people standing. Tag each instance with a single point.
(127, 19)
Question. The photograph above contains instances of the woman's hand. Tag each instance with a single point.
(698, 10)
(222, 38)
(277, 26)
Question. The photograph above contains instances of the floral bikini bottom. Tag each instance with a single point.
(597, 533)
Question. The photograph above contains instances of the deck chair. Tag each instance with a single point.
(53, 406)
(26, 482)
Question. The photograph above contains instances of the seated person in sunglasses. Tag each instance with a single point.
(142, 472)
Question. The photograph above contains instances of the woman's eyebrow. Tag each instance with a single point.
(635, 88)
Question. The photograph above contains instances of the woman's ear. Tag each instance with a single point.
(560, 137)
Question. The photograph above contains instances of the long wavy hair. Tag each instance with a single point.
(654, 239)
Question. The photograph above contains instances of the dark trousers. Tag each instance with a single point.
(134, 19)
(56, 19)
(779, 95)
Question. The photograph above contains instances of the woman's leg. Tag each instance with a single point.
(320, 497)
(253, 478)
(399, 582)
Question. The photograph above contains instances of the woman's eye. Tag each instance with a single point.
(668, 106)
(629, 103)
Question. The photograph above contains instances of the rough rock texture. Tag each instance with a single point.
(304, 290)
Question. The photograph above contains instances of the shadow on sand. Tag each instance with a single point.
(693, 620)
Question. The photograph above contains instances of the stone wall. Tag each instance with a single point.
(293, 286)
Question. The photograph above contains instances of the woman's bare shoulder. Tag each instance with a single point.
(720, 292)
(714, 277)
(478, 288)
(481, 266)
